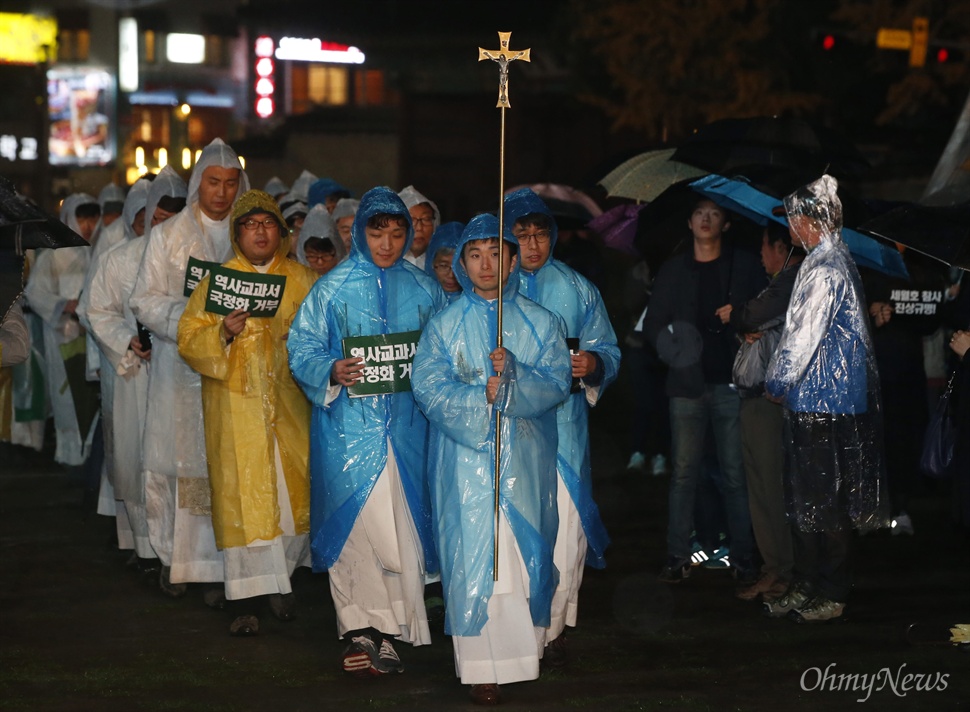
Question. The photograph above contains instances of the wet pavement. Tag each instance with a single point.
(82, 631)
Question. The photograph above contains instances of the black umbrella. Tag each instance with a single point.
(24, 226)
(724, 146)
(941, 232)
(662, 226)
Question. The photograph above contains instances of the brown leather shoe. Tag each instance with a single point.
(766, 582)
(487, 694)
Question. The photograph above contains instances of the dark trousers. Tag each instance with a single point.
(823, 560)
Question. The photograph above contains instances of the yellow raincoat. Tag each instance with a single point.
(249, 399)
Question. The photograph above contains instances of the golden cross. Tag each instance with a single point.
(503, 56)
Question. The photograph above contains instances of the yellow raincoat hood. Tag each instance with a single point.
(251, 203)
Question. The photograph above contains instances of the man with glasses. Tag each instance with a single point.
(689, 324)
(425, 218)
(257, 422)
(595, 356)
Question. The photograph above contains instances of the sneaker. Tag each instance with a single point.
(795, 597)
(637, 461)
(902, 524)
(697, 554)
(750, 592)
(658, 465)
(359, 656)
(388, 659)
(675, 571)
(718, 559)
(818, 610)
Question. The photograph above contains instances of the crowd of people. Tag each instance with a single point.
(253, 381)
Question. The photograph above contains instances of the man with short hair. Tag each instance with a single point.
(688, 322)
(760, 322)
(370, 514)
(595, 358)
(177, 488)
(498, 627)
(426, 218)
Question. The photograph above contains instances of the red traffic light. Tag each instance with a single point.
(828, 42)
(942, 55)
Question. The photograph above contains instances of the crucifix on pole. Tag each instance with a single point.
(503, 57)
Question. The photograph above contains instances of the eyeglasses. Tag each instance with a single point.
(541, 237)
(422, 221)
(251, 224)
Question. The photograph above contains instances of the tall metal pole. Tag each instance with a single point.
(503, 56)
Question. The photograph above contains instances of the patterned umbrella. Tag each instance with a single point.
(646, 176)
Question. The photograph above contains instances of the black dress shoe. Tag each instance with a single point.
(487, 694)
(244, 627)
(283, 605)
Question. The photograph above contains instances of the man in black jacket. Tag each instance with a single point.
(760, 322)
(689, 324)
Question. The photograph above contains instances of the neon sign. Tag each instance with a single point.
(314, 50)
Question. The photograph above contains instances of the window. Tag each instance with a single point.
(73, 45)
(149, 45)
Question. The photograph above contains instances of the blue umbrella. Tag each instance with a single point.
(741, 197)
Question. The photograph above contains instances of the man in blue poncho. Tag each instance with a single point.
(441, 251)
(595, 359)
(370, 516)
(497, 626)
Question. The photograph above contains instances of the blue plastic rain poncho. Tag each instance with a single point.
(451, 368)
(446, 237)
(318, 223)
(174, 439)
(824, 370)
(321, 189)
(567, 293)
(56, 278)
(349, 437)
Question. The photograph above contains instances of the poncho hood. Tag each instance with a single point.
(167, 182)
(136, 200)
(373, 202)
(346, 207)
(525, 202)
(818, 200)
(483, 227)
(321, 189)
(412, 197)
(274, 186)
(111, 195)
(220, 154)
(319, 223)
(445, 237)
(252, 202)
(69, 208)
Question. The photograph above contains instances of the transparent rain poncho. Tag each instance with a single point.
(412, 197)
(565, 292)
(349, 436)
(446, 237)
(173, 430)
(253, 407)
(824, 370)
(318, 223)
(451, 368)
(57, 277)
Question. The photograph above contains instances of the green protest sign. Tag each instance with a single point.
(387, 362)
(258, 294)
(195, 272)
